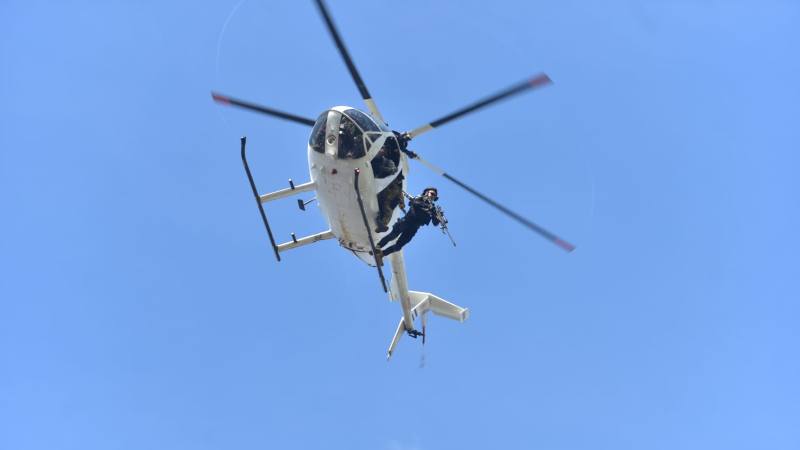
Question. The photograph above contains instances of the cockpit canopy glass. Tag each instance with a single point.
(362, 120)
(356, 132)
(351, 140)
(317, 139)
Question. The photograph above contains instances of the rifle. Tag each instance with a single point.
(439, 213)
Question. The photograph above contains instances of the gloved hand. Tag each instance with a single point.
(410, 154)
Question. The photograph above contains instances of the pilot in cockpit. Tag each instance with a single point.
(350, 143)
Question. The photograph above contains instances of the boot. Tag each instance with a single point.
(378, 255)
(381, 225)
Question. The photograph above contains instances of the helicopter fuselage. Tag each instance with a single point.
(344, 140)
(358, 168)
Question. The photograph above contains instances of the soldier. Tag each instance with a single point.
(386, 163)
(421, 212)
(389, 199)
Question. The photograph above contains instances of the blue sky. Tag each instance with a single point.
(141, 307)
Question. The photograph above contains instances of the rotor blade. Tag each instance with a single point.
(362, 88)
(530, 225)
(225, 100)
(537, 81)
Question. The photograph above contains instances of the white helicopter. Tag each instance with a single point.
(349, 152)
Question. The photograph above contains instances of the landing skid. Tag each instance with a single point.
(258, 199)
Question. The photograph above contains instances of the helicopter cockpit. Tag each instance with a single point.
(346, 134)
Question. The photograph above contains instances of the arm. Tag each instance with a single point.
(402, 139)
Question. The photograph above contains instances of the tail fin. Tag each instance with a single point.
(424, 302)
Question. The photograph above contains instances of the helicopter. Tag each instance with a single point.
(357, 166)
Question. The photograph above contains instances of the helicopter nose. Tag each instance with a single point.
(337, 135)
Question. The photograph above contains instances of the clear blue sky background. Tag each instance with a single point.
(141, 307)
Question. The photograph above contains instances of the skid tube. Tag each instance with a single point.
(258, 198)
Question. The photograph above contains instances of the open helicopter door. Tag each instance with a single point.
(291, 190)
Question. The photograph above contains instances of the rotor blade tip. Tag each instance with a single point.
(219, 98)
(540, 80)
(564, 244)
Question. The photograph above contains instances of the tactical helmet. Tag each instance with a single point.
(435, 192)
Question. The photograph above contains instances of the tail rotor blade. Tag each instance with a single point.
(225, 100)
(337, 39)
(535, 82)
(527, 223)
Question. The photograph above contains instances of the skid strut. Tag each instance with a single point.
(369, 232)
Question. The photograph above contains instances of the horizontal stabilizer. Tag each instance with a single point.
(425, 301)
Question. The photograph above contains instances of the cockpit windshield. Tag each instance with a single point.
(351, 140)
(317, 139)
(362, 120)
(347, 135)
